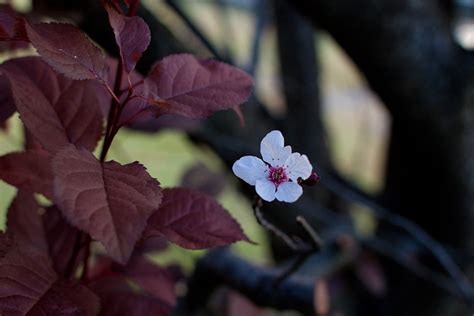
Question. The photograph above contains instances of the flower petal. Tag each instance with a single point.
(266, 189)
(281, 156)
(298, 166)
(271, 146)
(288, 192)
(250, 169)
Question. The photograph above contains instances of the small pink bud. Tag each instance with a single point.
(312, 180)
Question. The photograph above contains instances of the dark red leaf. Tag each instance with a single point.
(183, 85)
(119, 299)
(193, 220)
(68, 50)
(101, 268)
(111, 202)
(55, 109)
(30, 171)
(131, 304)
(12, 25)
(61, 238)
(67, 298)
(28, 282)
(24, 224)
(132, 36)
(153, 279)
(30, 142)
(7, 106)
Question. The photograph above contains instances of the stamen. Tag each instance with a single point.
(277, 175)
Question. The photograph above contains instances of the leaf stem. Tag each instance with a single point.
(85, 265)
(72, 260)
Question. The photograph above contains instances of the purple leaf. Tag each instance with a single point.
(183, 85)
(68, 50)
(193, 220)
(153, 279)
(55, 109)
(119, 299)
(28, 283)
(111, 202)
(23, 222)
(67, 298)
(30, 171)
(132, 36)
(61, 238)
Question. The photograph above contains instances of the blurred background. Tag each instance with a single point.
(377, 93)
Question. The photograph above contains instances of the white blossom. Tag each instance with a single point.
(276, 176)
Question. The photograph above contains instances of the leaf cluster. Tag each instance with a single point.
(69, 98)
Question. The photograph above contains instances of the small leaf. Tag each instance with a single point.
(111, 202)
(68, 50)
(193, 220)
(30, 171)
(55, 109)
(61, 238)
(132, 36)
(184, 85)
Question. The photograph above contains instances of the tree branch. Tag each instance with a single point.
(221, 267)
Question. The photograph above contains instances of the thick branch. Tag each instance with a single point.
(221, 267)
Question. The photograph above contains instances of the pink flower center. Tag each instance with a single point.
(277, 175)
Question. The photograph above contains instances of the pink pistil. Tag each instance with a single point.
(277, 175)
